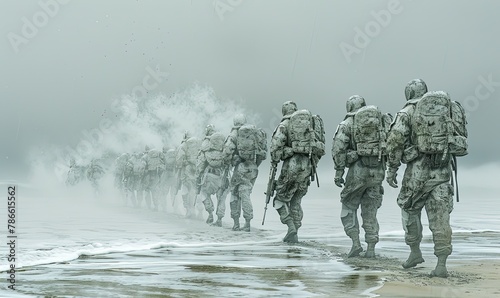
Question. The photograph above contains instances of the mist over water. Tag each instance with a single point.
(131, 123)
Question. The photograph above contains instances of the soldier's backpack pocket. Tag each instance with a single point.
(352, 156)
(409, 154)
(458, 145)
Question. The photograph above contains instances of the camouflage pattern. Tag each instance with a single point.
(119, 173)
(421, 184)
(426, 183)
(295, 175)
(155, 165)
(186, 164)
(363, 184)
(243, 178)
(134, 173)
(75, 174)
(94, 173)
(168, 178)
(212, 177)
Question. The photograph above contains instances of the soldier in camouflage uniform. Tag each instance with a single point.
(212, 172)
(295, 176)
(186, 161)
(75, 173)
(94, 173)
(134, 173)
(426, 183)
(155, 165)
(246, 162)
(363, 183)
(120, 169)
(168, 178)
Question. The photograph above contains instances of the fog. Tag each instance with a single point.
(91, 65)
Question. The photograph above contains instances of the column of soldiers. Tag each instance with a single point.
(427, 135)
(93, 172)
(198, 169)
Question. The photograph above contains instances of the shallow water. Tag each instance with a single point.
(69, 247)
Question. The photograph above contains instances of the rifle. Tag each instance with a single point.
(314, 173)
(454, 167)
(225, 178)
(271, 186)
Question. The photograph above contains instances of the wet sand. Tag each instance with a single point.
(467, 278)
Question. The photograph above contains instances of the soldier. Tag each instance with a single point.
(168, 176)
(155, 165)
(120, 170)
(75, 173)
(212, 172)
(300, 148)
(359, 144)
(245, 149)
(94, 173)
(186, 160)
(422, 136)
(135, 169)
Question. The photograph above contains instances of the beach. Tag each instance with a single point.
(73, 245)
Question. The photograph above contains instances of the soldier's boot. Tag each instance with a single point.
(414, 258)
(291, 235)
(218, 222)
(440, 270)
(236, 226)
(210, 218)
(246, 227)
(356, 248)
(370, 251)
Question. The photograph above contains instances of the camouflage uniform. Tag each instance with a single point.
(295, 176)
(134, 174)
(168, 177)
(243, 179)
(212, 175)
(75, 173)
(94, 173)
(423, 185)
(186, 162)
(363, 183)
(155, 165)
(120, 169)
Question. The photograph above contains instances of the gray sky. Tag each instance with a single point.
(58, 79)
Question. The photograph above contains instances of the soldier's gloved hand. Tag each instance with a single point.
(390, 177)
(338, 180)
